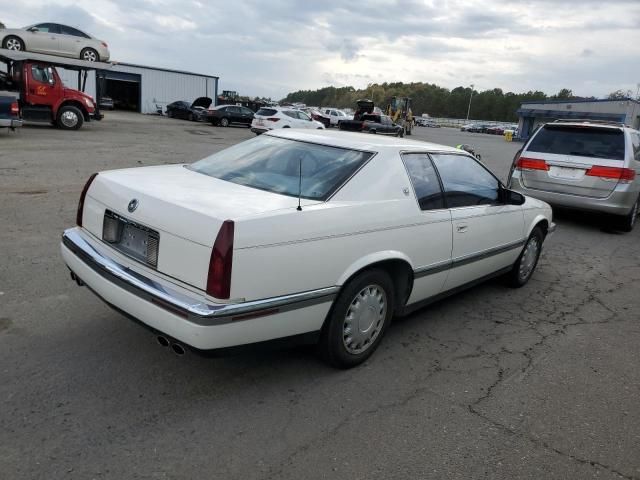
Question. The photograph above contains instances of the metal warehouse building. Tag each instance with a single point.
(532, 114)
(144, 89)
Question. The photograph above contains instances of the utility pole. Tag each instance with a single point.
(470, 97)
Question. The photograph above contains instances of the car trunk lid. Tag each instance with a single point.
(202, 102)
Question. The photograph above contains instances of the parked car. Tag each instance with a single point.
(426, 122)
(225, 115)
(9, 113)
(272, 118)
(584, 165)
(55, 39)
(336, 116)
(495, 130)
(196, 111)
(318, 116)
(106, 103)
(292, 234)
(381, 124)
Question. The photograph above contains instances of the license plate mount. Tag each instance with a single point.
(130, 238)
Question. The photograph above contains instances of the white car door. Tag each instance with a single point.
(432, 231)
(44, 39)
(488, 235)
(306, 121)
(72, 41)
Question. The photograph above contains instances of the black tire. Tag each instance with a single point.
(190, 117)
(224, 122)
(525, 265)
(372, 131)
(69, 118)
(11, 42)
(89, 55)
(627, 222)
(170, 113)
(368, 291)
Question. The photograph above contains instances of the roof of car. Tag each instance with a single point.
(358, 141)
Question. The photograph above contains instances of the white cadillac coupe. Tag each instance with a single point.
(299, 234)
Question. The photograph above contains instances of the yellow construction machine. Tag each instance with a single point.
(399, 109)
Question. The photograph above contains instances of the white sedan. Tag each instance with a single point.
(273, 118)
(305, 235)
(55, 39)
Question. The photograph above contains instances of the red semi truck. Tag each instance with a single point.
(41, 93)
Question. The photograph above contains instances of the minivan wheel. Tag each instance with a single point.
(528, 260)
(627, 222)
(358, 319)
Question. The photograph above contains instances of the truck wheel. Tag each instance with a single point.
(89, 55)
(13, 43)
(70, 118)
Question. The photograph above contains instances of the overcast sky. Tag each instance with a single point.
(273, 47)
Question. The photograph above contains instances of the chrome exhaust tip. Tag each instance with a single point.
(162, 341)
(178, 349)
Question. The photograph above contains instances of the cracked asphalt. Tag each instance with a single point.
(495, 383)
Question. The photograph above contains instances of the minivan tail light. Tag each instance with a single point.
(82, 197)
(15, 109)
(625, 175)
(525, 163)
(219, 275)
(273, 119)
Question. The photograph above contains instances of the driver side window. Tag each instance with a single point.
(42, 74)
(466, 182)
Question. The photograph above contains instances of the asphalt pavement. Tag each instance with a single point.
(540, 382)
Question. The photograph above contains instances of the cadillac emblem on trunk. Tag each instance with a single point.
(133, 204)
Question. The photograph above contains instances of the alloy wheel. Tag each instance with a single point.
(13, 44)
(89, 56)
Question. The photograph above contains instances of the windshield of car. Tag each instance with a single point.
(579, 141)
(273, 164)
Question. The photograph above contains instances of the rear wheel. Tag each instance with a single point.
(13, 43)
(224, 122)
(627, 222)
(89, 55)
(358, 319)
(528, 259)
(70, 118)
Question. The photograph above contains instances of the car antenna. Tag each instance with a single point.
(299, 184)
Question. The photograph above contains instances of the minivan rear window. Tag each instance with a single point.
(579, 141)
(266, 112)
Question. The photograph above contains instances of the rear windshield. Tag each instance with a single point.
(585, 142)
(273, 164)
(266, 112)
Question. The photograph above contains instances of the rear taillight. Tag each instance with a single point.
(273, 119)
(525, 163)
(625, 175)
(82, 197)
(15, 109)
(219, 276)
(104, 44)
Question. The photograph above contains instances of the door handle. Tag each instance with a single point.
(462, 228)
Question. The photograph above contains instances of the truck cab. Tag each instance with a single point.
(43, 97)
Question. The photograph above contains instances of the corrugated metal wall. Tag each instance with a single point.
(157, 86)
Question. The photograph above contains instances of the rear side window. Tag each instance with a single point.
(72, 31)
(266, 112)
(579, 141)
(273, 164)
(425, 180)
(635, 141)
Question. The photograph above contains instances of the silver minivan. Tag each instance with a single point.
(585, 165)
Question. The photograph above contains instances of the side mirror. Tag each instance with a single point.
(33, 30)
(511, 197)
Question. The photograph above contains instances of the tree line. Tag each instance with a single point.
(429, 98)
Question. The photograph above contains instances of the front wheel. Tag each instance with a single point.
(627, 222)
(358, 319)
(224, 122)
(13, 43)
(89, 55)
(528, 260)
(70, 118)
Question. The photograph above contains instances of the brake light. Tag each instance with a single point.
(15, 109)
(104, 44)
(525, 163)
(625, 175)
(82, 197)
(273, 119)
(219, 276)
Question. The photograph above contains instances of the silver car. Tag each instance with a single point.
(584, 165)
(55, 39)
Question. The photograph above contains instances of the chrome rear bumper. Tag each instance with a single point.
(193, 308)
